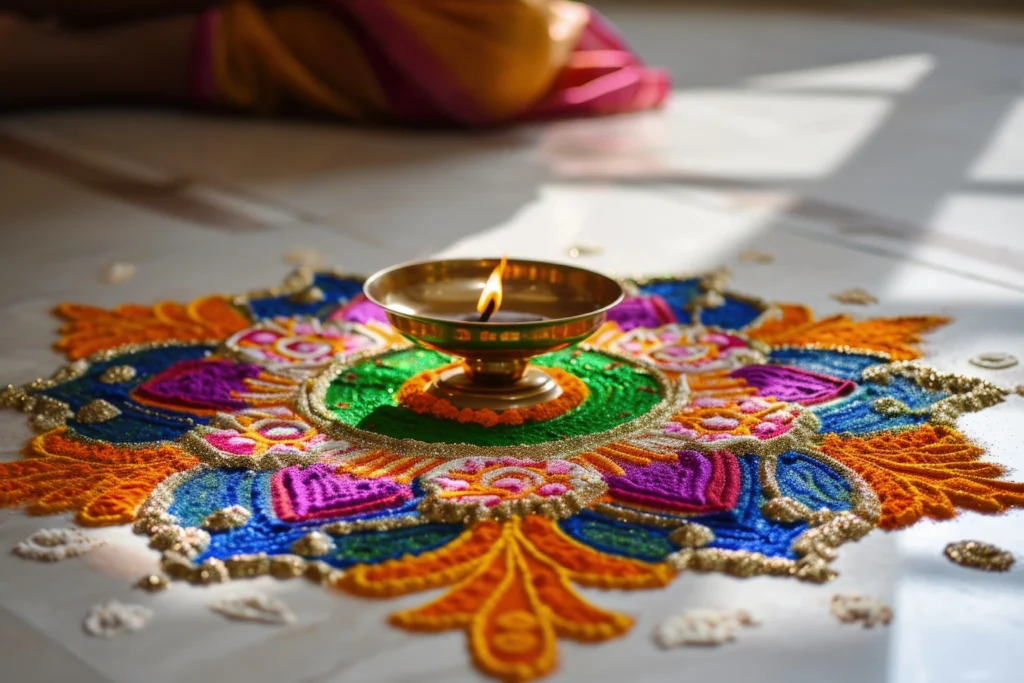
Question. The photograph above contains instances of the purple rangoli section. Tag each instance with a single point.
(318, 492)
(793, 385)
(695, 482)
(640, 311)
(361, 310)
(199, 384)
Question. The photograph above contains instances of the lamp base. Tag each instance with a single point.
(457, 387)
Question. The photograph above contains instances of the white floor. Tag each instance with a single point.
(884, 153)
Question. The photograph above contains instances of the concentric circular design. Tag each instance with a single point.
(712, 432)
(359, 399)
(300, 340)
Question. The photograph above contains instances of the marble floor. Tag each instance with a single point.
(883, 151)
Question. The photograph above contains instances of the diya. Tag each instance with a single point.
(494, 315)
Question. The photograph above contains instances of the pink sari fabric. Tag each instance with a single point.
(603, 75)
(430, 64)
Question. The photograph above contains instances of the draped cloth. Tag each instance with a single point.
(467, 63)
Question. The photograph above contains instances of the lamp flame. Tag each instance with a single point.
(490, 298)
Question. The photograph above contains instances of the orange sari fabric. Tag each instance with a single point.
(455, 62)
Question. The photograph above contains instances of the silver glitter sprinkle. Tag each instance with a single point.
(116, 374)
(851, 608)
(97, 411)
(114, 618)
(117, 273)
(855, 296)
(255, 607)
(994, 360)
(702, 627)
(53, 545)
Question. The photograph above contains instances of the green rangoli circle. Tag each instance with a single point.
(362, 396)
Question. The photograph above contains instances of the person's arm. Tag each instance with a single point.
(136, 61)
(101, 11)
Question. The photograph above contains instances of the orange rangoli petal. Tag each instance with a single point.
(103, 483)
(925, 472)
(511, 590)
(897, 337)
(90, 329)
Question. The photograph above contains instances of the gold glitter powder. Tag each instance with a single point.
(692, 535)
(838, 348)
(786, 510)
(248, 566)
(49, 413)
(710, 299)
(716, 280)
(287, 566)
(148, 522)
(176, 565)
(299, 279)
(891, 407)
(563, 507)
(631, 516)
(381, 524)
(815, 548)
(967, 394)
(322, 573)
(227, 518)
(739, 563)
(189, 541)
(97, 410)
(210, 571)
(116, 374)
(313, 544)
(154, 583)
(980, 555)
(309, 295)
(238, 567)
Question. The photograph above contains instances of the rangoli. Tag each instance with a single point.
(285, 432)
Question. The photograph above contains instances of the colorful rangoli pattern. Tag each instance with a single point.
(286, 433)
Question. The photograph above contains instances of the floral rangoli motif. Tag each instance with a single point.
(282, 433)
